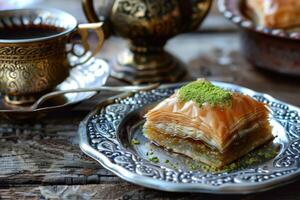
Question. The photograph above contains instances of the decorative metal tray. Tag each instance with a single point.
(107, 132)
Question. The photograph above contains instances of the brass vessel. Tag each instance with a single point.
(147, 24)
(33, 51)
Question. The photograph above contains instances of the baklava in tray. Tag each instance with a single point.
(208, 124)
(275, 13)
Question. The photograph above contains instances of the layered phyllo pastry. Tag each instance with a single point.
(208, 124)
(275, 13)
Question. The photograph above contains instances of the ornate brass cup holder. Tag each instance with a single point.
(147, 25)
(89, 72)
(33, 51)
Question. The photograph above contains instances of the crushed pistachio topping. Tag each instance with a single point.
(135, 141)
(203, 91)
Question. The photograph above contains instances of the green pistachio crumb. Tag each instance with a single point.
(135, 142)
(193, 166)
(203, 91)
(154, 159)
(167, 161)
(149, 153)
(173, 165)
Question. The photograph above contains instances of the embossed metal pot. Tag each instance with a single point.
(147, 24)
(33, 53)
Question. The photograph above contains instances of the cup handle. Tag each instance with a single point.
(89, 11)
(83, 32)
(102, 16)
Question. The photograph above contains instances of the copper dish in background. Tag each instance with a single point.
(273, 49)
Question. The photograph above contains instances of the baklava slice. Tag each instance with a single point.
(274, 13)
(208, 124)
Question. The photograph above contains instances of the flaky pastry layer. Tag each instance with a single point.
(217, 126)
(199, 151)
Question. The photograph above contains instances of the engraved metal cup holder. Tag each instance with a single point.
(31, 66)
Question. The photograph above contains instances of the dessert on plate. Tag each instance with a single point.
(208, 124)
(275, 13)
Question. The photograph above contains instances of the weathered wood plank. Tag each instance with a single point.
(46, 153)
(129, 191)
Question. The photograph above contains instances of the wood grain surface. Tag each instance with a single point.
(42, 159)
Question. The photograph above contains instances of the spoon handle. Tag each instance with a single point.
(96, 89)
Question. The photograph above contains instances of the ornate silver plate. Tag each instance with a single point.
(107, 132)
(87, 72)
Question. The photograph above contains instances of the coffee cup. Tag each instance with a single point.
(34, 51)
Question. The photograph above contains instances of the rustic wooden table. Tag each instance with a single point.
(42, 160)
